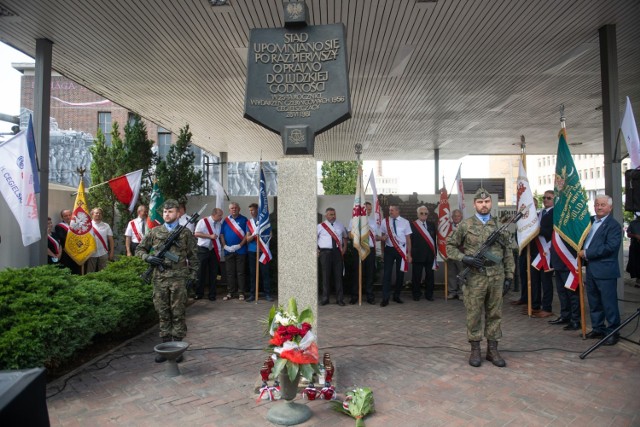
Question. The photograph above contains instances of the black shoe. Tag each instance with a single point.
(572, 326)
(384, 303)
(398, 300)
(341, 303)
(160, 359)
(250, 299)
(612, 340)
(416, 298)
(324, 303)
(269, 298)
(429, 298)
(353, 301)
(212, 298)
(558, 321)
(371, 301)
(595, 335)
(198, 297)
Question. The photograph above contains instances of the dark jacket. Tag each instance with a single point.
(602, 254)
(420, 249)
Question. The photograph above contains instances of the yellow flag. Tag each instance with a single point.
(80, 243)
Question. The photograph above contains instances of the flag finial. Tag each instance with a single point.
(562, 117)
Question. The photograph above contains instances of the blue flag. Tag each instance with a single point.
(31, 144)
(264, 224)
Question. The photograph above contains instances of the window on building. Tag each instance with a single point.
(591, 173)
(104, 124)
(164, 142)
(597, 172)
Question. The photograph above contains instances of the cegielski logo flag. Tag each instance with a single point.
(264, 223)
(19, 176)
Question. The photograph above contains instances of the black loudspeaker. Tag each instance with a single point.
(632, 190)
(23, 400)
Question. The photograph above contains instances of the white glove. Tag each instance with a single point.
(229, 248)
(235, 247)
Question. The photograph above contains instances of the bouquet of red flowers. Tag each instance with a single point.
(292, 342)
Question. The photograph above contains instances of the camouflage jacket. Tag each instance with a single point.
(468, 238)
(185, 249)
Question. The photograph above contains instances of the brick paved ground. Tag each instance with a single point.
(414, 356)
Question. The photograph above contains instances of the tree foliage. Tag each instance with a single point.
(123, 156)
(177, 175)
(339, 177)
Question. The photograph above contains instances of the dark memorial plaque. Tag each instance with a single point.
(297, 80)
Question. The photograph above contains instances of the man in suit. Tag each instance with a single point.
(423, 253)
(601, 255)
(541, 273)
(569, 300)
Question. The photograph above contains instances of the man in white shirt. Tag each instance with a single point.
(332, 244)
(136, 229)
(209, 249)
(103, 236)
(184, 218)
(369, 263)
(396, 232)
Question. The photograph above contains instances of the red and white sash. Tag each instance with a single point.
(333, 235)
(216, 249)
(265, 253)
(64, 225)
(372, 240)
(541, 261)
(135, 230)
(427, 236)
(234, 226)
(99, 236)
(55, 244)
(568, 260)
(404, 265)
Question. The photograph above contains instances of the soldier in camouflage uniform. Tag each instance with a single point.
(486, 280)
(169, 290)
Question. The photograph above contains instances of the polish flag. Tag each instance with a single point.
(126, 188)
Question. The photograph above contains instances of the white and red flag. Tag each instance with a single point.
(359, 221)
(377, 210)
(528, 226)
(126, 188)
(460, 190)
(630, 135)
(444, 223)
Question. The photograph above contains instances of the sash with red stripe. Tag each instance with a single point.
(99, 236)
(372, 240)
(234, 226)
(214, 241)
(541, 261)
(568, 260)
(265, 252)
(404, 265)
(55, 243)
(64, 225)
(333, 235)
(135, 231)
(430, 242)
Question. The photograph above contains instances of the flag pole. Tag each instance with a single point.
(523, 156)
(446, 267)
(257, 237)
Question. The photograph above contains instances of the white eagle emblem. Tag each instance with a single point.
(80, 223)
(295, 10)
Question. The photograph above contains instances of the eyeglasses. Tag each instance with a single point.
(548, 198)
(423, 213)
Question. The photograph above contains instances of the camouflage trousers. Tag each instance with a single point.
(485, 292)
(170, 301)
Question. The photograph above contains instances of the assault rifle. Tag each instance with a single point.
(482, 255)
(164, 251)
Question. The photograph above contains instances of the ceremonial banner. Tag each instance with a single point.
(18, 183)
(460, 190)
(126, 188)
(264, 223)
(359, 221)
(80, 243)
(377, 210)
(528, 226)
(571, 220)
(630, 134)
(155, 207)
(444, 223)
(219, 194)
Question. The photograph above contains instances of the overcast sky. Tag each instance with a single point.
(10, 83)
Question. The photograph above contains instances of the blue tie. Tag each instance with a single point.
(395, 230)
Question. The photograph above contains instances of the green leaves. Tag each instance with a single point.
(47, 314)
(339, 177)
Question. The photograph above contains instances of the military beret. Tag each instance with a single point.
(170, 204)
(481, 193)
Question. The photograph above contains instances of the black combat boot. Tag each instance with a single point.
(159, 358)
(493, 356)
(475, 359)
